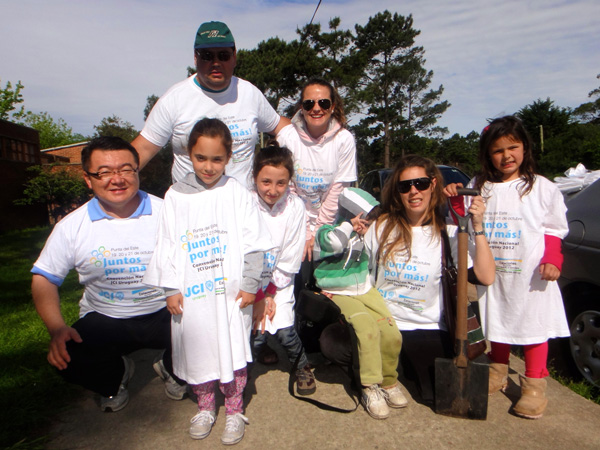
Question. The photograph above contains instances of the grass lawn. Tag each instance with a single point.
(31, 391)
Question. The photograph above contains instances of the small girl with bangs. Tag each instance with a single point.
(525, 222)
(284, 214)
(210, 248)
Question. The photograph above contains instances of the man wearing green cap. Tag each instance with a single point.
(212, 92)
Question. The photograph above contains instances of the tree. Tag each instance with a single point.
(278, 69)
(336, 60)
(394, 85)
(115, 126)
(9, 99)
(52, 134)
(544, 116)
(590, 112)
(61, 190)
(460, 151)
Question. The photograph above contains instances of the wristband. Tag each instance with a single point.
(479, 233)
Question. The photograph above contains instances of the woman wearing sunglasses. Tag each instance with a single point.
(324, 154)
(405, 245)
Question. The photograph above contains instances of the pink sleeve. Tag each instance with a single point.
(329, 207)
(552, 251)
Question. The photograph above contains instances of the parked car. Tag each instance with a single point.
(374, 180)
(580, 280)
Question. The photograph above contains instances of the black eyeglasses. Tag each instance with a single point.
(420, 183)
(205, 55)
(324, 104)
(108, 174)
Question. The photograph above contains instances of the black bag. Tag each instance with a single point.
(475, 335)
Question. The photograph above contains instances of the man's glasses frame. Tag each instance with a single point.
(209, 56)
(109, 174)
(324, 104)
(421, 184)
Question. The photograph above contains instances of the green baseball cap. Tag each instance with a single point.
(214, 34)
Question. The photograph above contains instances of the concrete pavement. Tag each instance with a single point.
(278, 421)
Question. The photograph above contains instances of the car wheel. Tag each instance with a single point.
(585, 344)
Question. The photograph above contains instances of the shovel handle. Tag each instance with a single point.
(461, 283)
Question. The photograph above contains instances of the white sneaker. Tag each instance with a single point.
(394, 397)
(235, 426)
(374, 402)
(173, 390)
(117, 402)
(202, 424)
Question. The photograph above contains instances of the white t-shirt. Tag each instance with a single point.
(412, 288)
(201, 242)
(519, 307)
(242, 107)
(286, 222)
(319, 164)
(110, 256)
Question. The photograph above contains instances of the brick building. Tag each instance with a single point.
(19, 150)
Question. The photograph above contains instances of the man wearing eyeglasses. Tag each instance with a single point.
(212, 92)
(109, 241)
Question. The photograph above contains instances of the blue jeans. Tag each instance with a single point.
(289, 340)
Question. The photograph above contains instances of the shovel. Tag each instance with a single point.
(461, 386)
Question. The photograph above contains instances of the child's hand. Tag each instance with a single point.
(549, 272)
(247, 298)
(476, 210)
(270, 307)
(308, 249)
(175, 304)
(360, 225)
(451, 189)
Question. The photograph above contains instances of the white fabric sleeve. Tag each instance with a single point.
(58, 255)
(555, 212)
(347, 160)
(268, 119)
(159, 124)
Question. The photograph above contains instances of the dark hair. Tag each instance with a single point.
(106, 143)
(397, 232)
(273, 155)
(336, 100)
(213, 128)
(509, 127)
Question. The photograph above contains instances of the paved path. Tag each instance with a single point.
(278, 421)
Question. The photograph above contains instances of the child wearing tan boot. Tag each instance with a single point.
(525, 221)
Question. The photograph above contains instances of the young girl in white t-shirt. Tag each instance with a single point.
(283, 212)
(525, 221)
(211, 243)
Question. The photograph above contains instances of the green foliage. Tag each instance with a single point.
(115, 126)
(394, 84)
(9, 99)
(52, 134)
(544, 116)
(580, 143)
(460, 152)
(60, 190)
(150, 102)
(31, 390)
(590, 112)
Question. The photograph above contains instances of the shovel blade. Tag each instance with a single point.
(461, 391)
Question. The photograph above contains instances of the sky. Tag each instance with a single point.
(83, 60)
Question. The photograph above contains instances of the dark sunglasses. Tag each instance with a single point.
(420, 183)
(210, 56)
(324, 104)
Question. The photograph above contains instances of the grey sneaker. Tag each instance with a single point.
(235, 426)
(305, 381)
(394, 397)
(374, 402)
(202, 424)
(173, 390)
(117, 402)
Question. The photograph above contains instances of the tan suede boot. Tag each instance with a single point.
(498, 378)
(533, 399)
